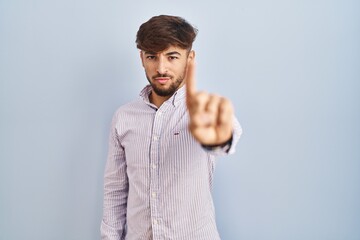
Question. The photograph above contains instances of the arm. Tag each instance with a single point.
(212, 120)
(115, 190)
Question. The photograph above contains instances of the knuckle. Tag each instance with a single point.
(202, 95)
(201, 98)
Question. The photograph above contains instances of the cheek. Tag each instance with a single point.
(180, 71)
(148, 68)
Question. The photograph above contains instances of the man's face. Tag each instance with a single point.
(166, 70)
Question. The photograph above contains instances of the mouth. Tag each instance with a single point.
(162, 80)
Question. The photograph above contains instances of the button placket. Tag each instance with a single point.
(154, 162)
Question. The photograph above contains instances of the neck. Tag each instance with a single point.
(156, 99)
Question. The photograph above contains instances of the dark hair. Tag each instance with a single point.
(160, 32)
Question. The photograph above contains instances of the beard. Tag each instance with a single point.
(165, 92)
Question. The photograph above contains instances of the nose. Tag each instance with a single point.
(161, 67)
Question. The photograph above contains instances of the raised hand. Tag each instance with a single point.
(211, 115)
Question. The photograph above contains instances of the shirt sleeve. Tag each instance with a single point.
(115, 189)
(230, 148)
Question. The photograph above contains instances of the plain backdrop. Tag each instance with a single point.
(291, 69)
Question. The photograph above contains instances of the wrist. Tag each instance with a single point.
(218, 146)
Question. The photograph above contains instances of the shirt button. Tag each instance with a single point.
(153, 166)
(153, 195)
(156, 138)
(155, 221)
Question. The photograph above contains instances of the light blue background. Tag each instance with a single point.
(291, 68)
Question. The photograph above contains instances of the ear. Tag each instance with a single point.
(191, 55)
(142, 57)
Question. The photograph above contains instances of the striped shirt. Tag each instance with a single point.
(158, 178)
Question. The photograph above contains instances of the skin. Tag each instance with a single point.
(211, 115)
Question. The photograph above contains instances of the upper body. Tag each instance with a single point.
(158, 178)
(162, 147)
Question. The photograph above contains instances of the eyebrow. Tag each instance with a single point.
(173, 53)
(167, 54)
(151, 53)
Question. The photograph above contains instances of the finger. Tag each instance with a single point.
(212, 108)
(225, 120)
(199, 102)
(225, 116)
(213, 103)
(200, 120)
(190, 79)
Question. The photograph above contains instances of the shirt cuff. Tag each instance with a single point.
(224, 147)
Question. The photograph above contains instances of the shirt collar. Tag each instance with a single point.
(175, 99)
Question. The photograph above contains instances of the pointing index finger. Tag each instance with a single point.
(190, 79)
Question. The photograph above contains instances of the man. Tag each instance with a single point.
(162, 149)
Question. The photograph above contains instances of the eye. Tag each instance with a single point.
(173, 57)
(150, 57)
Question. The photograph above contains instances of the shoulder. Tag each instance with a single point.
(132, 109)
(130, 106)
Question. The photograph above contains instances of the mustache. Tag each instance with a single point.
(162, 75)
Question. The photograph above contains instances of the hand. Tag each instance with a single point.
(211, 116)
